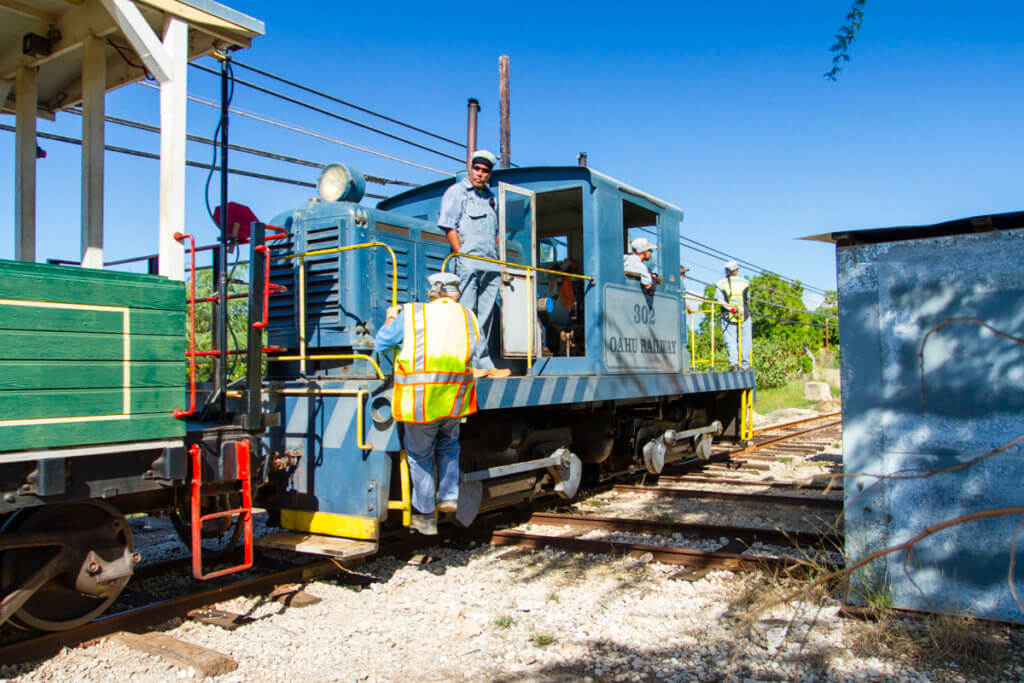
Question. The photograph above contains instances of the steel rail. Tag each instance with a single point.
(675, 556)
(790, 485)
(786, 425)
(648, 526)
(824, 503)
(784, 437)
(151, 615)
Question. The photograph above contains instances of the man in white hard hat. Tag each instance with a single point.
(634, 263)
(733, 293)
(434, 389)
(469, 219)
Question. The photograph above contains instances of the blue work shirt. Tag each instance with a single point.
(631, 263)
(391, 335)
(473, 215)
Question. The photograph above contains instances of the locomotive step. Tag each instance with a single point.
(318, 544)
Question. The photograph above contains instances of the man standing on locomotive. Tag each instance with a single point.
(469, 218)
(435, 388)
(733, 292)
(633, 263)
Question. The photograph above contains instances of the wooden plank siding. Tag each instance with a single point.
(69, 373)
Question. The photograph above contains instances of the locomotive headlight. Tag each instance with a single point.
(340, 183)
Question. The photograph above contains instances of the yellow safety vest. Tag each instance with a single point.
(433, 371)
(734, 287)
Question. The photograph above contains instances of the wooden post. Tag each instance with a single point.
(503, 93)
(94, 82)
(172, 151)
(26, 92)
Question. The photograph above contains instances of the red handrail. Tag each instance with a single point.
(267, 287)
(178, 413)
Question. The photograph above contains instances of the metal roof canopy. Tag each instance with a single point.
(60, 72)
(960, 226)
(96, 46)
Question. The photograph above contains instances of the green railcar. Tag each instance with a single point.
(88, 356)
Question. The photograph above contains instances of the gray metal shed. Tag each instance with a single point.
(932, 344)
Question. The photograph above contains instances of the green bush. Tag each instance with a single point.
(775, 363)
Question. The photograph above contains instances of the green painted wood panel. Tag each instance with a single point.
(82, 287)
(64, 362)
(88, 346)
(77, 403)
(44, 375)
(141, 321)
(138, 428)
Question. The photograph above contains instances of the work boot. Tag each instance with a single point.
(478, 373)
(447, 505)
(499, 372)
(425, 524)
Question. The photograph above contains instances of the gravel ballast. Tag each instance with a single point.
(509, 614)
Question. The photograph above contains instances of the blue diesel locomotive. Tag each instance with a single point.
(97, 421)
(601, 383)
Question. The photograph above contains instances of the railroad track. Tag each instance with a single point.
(696, 562)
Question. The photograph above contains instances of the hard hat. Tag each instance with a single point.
(640, 245)
(443, 283)
(443, 280)
(484, 157)
(730, 266)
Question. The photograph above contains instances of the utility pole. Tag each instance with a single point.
(503, 94)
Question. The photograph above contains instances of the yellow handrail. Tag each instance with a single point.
(710, 310)
(530, 287)
(405, 504)
(360, 395)
(444, 265)
(338, 356)
(746, 416)
(302, 357)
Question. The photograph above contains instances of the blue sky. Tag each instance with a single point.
(720, 108)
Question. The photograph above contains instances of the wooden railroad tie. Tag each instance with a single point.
(205, 662)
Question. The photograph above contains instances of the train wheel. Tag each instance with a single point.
(63, 565)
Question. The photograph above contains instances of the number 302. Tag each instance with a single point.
(643, 314)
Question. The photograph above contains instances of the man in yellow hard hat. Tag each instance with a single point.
(434, 389)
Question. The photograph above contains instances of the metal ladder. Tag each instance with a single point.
(245, 511)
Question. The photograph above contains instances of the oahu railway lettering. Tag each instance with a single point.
(663, 347)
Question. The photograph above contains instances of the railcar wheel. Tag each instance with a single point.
(72, 560)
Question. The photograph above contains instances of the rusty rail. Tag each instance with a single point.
(648, 526)
(823, 503)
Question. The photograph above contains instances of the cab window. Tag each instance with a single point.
(638, 221)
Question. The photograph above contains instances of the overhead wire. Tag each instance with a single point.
(194, 164)
(718, 253)
(128, 123)
(325, 112)
(332, 98)
(303, 131)
(759, 287)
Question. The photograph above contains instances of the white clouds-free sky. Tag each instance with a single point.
(720, 108)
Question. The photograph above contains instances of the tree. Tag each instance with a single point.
(238, 320)
(844, 39)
